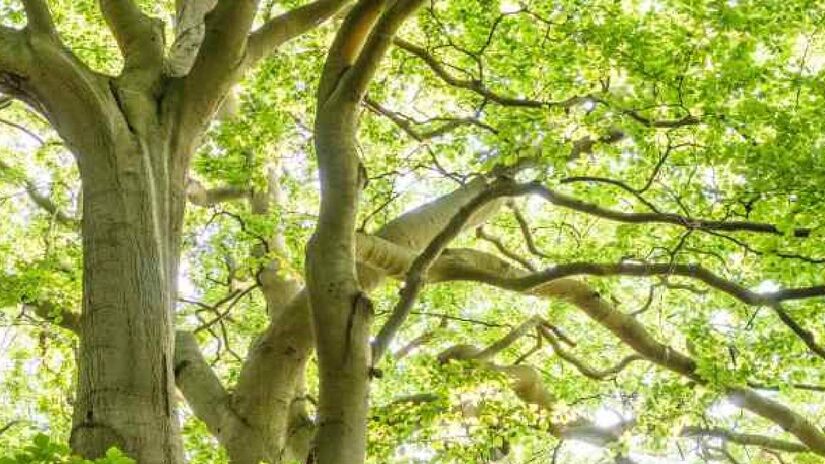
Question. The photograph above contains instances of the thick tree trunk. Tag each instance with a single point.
(342, 313)
(131, 218)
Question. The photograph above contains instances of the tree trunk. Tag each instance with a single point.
(132, 209)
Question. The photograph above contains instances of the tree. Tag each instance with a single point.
(641, 177)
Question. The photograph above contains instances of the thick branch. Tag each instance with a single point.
(289, 25)
(347, 45)
(139, 37)
(199, 384)
(218, 63)
(354, 82)
(200, 196)
(414, 280)
(38, 17)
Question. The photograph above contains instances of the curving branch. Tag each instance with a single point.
(580, 364)
(200, 386)
(693, 271)
(353, 84)
(565, 201)
(407, 124)
(478, 86)
(346, 47)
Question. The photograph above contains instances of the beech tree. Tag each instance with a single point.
(409, 231)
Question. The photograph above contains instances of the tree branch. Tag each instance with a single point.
(218, 63)
(581, 365)
(49, 312)
(406, 124)
(353, 84)
(44, 202)
(281, 29)
(347, 45)
(745, 439)
(139, 37)
(414, 280)
(560, 199)
(199, 384)
(478, 86)
(39, 18)
(200, 196)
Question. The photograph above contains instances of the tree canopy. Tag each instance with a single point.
(635, 273)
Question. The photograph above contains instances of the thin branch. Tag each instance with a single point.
(478, 86)
(581, 365)
(407, 124)
(482, 234)
(564, 201)
(745, 439)
(42, 201)
(524, 226)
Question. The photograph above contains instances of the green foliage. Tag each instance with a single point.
(753, 72)
(43, 450)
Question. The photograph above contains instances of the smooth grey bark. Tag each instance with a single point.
(132, 212)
